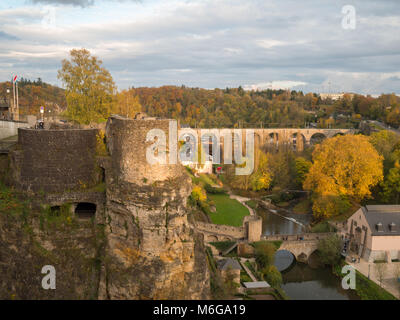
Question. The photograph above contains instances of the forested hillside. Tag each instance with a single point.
(277, 108)
(231, 107)
(33, 94)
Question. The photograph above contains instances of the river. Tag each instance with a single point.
(300, 281)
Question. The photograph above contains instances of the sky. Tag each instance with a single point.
(309, 45)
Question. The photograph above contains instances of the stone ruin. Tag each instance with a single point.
(150, 251)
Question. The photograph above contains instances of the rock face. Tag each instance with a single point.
(152, 252)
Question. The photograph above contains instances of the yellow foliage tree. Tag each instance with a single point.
(262, 178)
(343, 166)
(127, 104)
(198, 194)
(89, 88)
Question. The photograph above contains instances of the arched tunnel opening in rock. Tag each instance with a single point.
(85, 210)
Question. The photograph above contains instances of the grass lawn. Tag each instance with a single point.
(229, 211)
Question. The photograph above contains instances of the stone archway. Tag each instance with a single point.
(317, 138)
(284, 259)
(298, 141)
(338, 134)
(211, 238)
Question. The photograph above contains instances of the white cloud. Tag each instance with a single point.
(212, 43)
(269, 43)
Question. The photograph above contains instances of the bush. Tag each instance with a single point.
(210, 189)
(272, 276)
(329, 250)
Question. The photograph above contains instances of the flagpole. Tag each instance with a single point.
(13, 107)
(17, 109)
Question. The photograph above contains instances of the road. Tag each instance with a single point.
(385, 126)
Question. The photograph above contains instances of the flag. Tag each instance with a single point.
(15, 79)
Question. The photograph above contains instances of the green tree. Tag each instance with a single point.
(89, 87)
(329, 250)
(302, 167)
(265, 253)
(272, 276)
(391, 184)
(385, 143)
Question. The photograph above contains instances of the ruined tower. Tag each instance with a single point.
(152, 251)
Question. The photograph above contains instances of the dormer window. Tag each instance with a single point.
(392, 227)
(379, 227)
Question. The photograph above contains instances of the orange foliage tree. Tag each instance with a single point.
(344, 168)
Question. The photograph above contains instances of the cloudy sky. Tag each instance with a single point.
(209, 43)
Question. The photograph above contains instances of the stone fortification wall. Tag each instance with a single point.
(54, 160)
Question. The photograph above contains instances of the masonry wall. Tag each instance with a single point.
(55, 160)
(220, 229)
(126, 140)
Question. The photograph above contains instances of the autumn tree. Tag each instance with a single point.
(89, 87)
(262, 178)
(127, 104)
(344, 166)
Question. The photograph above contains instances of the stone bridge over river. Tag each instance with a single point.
(301, 246)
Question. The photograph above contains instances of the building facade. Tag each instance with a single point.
(374, 232)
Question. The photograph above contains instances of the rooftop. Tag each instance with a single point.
(256, 284)
(383, 220)
(225, 264)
